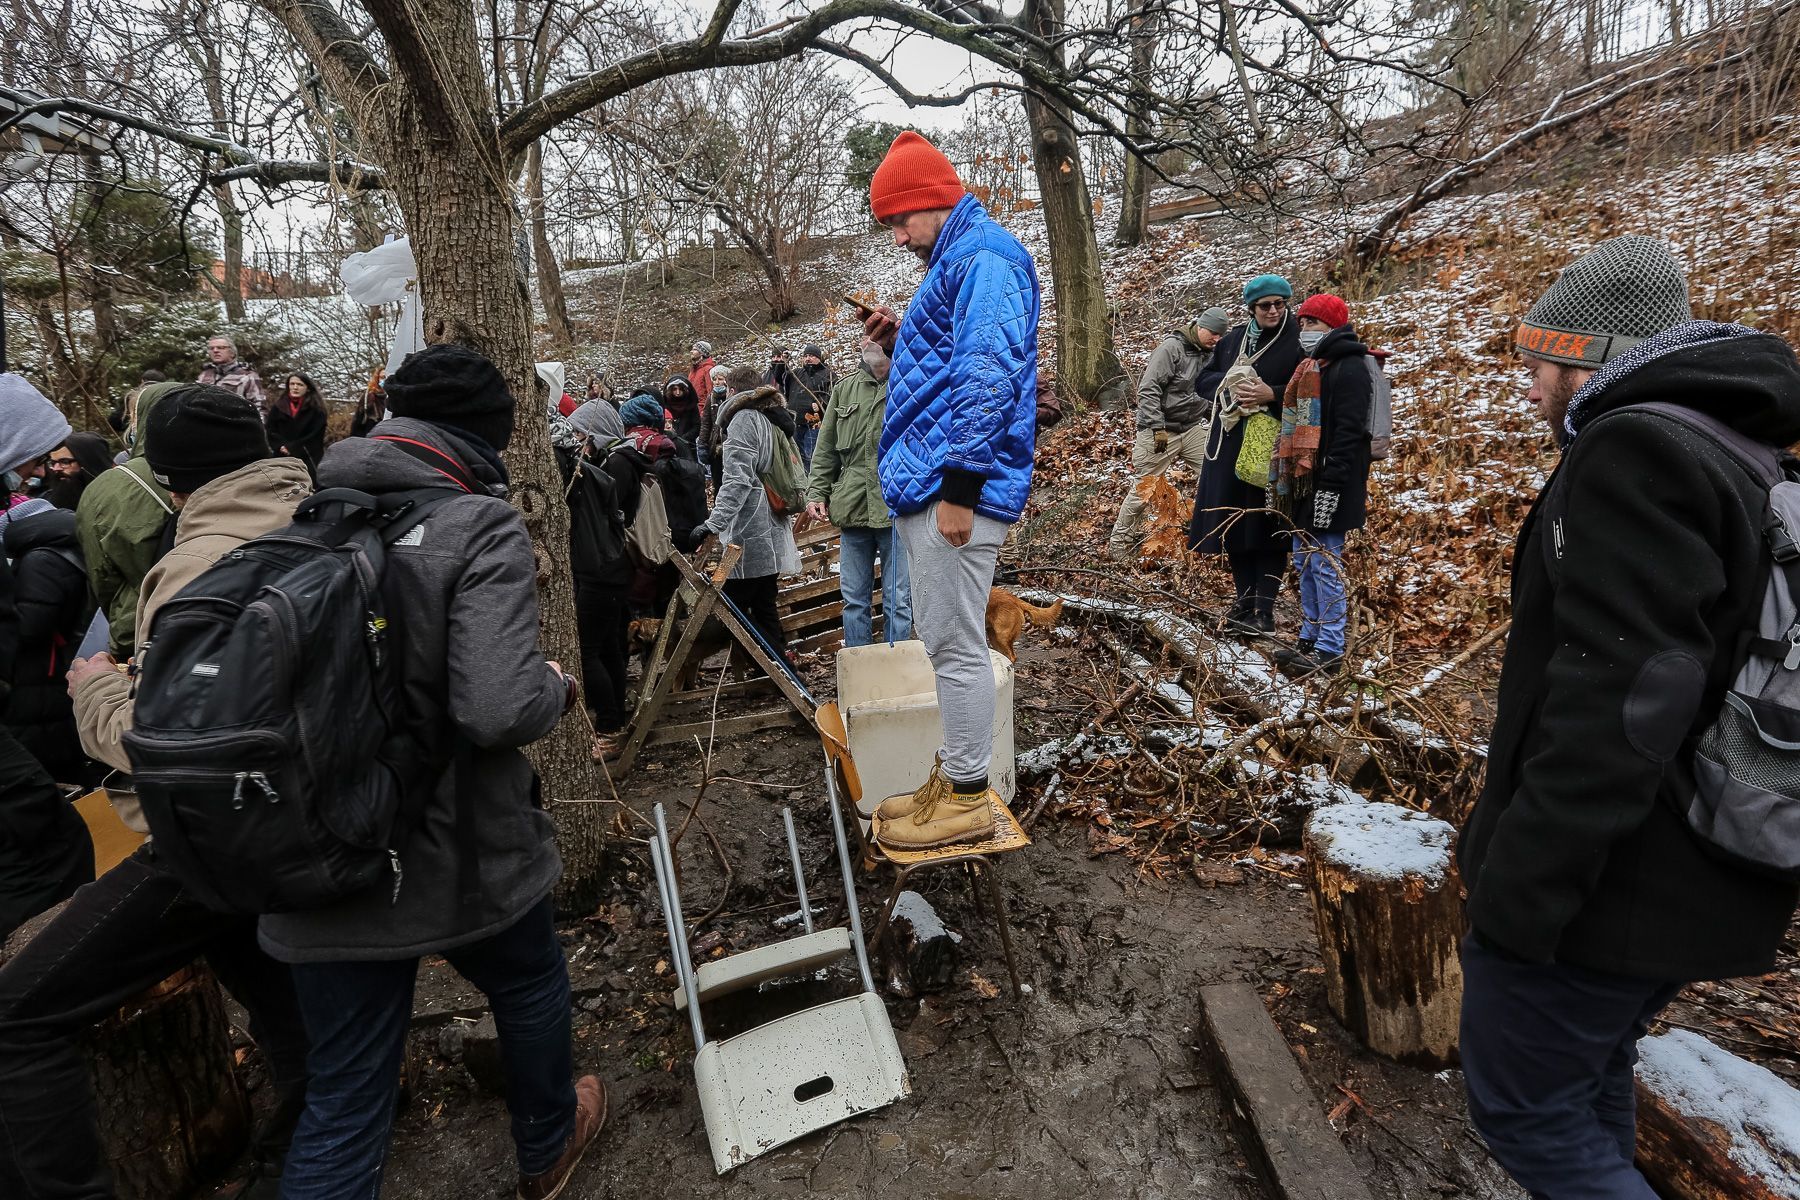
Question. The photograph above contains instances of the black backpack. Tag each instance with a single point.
(266, 744)
(684, 493)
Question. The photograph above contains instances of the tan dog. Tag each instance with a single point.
(1006, 618)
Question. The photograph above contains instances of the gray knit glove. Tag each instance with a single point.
(1325, 506)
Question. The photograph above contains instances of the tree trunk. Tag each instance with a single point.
(231, 252)
(1086, 364)
(171, 1112)
(432, 124)
(549, 273)
(1388, 908)
(780, 292)
(1134, 202)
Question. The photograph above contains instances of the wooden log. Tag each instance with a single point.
(172, 1114)
(1388, 907)
(1711, 1126)
(1279, 1121)
(927, 949)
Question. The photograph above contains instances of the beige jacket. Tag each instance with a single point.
(221, 516)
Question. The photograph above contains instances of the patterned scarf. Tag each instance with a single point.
(1297, 450)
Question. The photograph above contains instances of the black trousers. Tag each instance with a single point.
(603, 620)
(1547, 1058)
(1257, 575)
(45, 851)
(756, 599)
(131, 928)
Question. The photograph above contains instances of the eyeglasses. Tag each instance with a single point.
(1269, 305)
(62, 462)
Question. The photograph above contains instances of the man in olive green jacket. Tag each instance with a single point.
(120, 524)
(844, 488)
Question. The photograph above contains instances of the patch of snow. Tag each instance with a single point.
(1759, 1111)
(1381, 840)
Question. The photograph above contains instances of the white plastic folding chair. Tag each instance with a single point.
(799, 1073)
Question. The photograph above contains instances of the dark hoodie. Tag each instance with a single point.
(684, 407)
(461, 591)
(1634, 576)
(51, 596)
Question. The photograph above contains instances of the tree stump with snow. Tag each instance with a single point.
(172, 1114)
(1712, 1126)
(1388, 907)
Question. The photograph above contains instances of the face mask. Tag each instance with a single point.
(12, 481)
(1309, 341)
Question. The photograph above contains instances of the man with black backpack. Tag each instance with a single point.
(1599, 864)
(476, 864)
(138, 923)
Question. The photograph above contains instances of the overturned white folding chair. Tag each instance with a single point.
(798, 1073)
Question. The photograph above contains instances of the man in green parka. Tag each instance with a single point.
(843, 487)
(120, 523)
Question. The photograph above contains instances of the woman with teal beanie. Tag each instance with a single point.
(1249, 372)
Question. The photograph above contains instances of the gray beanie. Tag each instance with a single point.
(30, 426)
(1213, 320)
(597, 419)
(705, 349)
(1622, 291)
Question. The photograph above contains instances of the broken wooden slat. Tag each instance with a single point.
(1283, 1128)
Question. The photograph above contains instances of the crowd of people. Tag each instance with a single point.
(1594, 890)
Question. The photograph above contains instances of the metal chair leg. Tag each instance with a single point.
(973, 873)
(887, 909)
(1006, 944)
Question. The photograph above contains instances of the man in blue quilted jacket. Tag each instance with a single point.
(955, 461)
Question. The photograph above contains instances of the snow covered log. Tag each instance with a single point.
(1712, 1126)
(1388, 907)
(171, 1111)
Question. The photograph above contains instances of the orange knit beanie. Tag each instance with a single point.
(914, 176)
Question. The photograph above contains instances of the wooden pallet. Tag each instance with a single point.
(661, 702)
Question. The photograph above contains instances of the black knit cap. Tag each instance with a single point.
(198, 433)
(453, 385)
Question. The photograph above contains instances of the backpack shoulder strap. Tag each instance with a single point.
(1761, 460)
(149, 491)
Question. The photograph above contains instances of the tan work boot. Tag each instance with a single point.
(936, 785)
(590, 1118)
(954, 817)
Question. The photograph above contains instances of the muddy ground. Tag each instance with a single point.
(1088, 1085)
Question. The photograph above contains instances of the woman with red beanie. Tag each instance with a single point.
(1320, 474)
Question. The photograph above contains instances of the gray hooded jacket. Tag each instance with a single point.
(461, 596)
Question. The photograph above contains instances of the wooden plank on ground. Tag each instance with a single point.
(1268, 1101)
(770, 718)
(812, 535)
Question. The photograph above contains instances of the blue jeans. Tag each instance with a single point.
(806, 437)
(856, 576)
(1324, 608)
(1547, 1058)
(356, 1016)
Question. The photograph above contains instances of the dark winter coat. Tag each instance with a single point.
(684, 407)
(50, 595)
(302, 432)
(1226, 516)
(1633, 577)
(807, 389)
(597, 550)
(1346, 391)
(462, 595)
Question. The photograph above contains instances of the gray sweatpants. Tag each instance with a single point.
(949, 595)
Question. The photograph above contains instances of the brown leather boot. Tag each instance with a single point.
(590, 1118)
(935, 787)
(954, 817)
